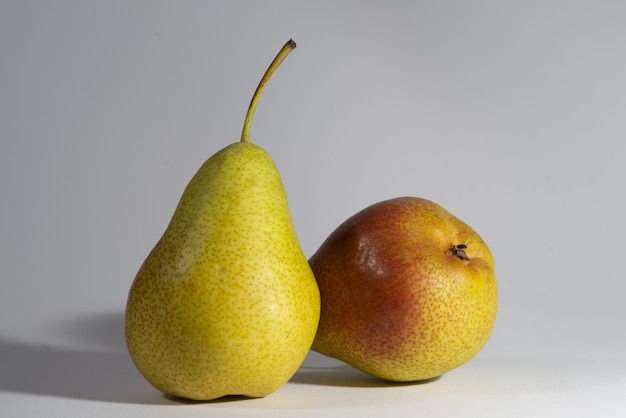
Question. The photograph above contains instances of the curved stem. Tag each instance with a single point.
(284, 51)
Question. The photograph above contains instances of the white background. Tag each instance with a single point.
(512, 115)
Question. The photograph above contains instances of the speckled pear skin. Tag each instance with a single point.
(226, 302)
(397, 303)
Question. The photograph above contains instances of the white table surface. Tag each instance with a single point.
(64, 383)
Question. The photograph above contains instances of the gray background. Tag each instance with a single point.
(509, 114)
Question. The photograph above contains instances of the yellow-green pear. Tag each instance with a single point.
(226, 303)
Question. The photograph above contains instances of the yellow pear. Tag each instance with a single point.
(225, 303)
(408, 291)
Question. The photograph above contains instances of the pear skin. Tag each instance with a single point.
(408, 291)
(225, 303)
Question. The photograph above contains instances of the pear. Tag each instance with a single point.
(225, 303)
(408, 291)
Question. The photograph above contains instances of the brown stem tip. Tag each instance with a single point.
(458, 251)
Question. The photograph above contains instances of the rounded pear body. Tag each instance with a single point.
(408, 291)
(226, 303)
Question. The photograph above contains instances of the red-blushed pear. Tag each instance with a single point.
(408, 291)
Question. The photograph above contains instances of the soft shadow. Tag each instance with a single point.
(101, 331)
(346, 376)
(223, 400)
(105, 374)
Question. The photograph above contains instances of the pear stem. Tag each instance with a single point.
(284, 51)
